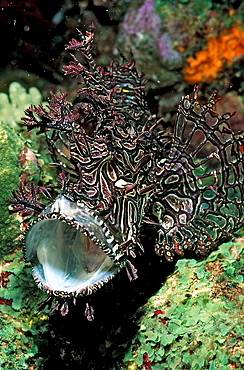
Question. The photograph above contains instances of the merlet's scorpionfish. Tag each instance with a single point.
(119, 171)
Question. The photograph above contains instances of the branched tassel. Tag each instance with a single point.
(131, 271)
(89, 312)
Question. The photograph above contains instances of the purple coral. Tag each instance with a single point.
(142, 31)
(146, 20)
(165, 50)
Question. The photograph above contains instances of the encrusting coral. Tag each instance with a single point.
(195, 321)
(12, 107)
(220, 51)
(10, 147)
(19, 322)
(21, 327)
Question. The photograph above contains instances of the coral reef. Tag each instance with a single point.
(14, 104)
(196, 319)
(221, 51)
(184, 28)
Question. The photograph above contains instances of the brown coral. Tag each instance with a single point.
(220, 51)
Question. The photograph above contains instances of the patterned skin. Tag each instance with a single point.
(119, 172)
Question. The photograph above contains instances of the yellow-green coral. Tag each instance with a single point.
(196, 320)
(21, 327)
(10, 146)
(12, 107)
(13, 104)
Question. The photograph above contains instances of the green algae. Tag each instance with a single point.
(196, 320)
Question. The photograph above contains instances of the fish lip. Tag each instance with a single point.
(59, 210)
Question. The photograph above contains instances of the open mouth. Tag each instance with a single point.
(72, 251)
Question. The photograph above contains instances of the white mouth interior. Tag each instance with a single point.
(64, 259)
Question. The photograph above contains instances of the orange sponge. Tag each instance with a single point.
(220, 51)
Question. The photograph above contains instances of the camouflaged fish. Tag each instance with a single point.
(120, 172)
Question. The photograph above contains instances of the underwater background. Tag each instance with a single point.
(188, 316)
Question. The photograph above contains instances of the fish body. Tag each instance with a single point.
(119, 172)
